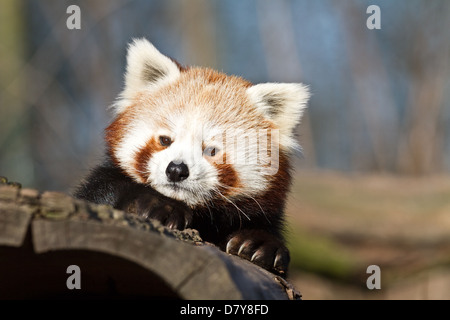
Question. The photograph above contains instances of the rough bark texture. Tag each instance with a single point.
(119, 255)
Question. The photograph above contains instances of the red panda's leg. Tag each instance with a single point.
(260, 247)
(151, 204)
(108, 185)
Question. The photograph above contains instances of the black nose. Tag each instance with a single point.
(177, 172)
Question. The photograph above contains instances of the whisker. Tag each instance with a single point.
(260, 207)
(211, 215)
(263, 212)
(230, 201)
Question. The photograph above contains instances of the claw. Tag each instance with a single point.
(277, 260)
(261, 248)
(243, 246)
(229, 244)
(281, 261)
(171, 225)
(256, 255)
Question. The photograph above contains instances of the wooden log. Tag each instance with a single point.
(119, 255)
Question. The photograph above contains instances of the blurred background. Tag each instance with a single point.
(372, 185)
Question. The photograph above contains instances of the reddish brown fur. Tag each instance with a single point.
(273, 199)
(115, 132)
(228, 179)
(144, 155)
(222, 97)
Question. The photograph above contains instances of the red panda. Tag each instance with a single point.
(196, 148)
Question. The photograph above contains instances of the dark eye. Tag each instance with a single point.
(165, 141)
(210, 151)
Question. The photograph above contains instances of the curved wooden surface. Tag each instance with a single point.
(119, 255)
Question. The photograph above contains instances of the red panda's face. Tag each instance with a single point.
(198, 135)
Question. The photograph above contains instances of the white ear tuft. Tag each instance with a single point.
(283, 103)
(147, 69)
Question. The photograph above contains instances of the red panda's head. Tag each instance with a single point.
(198, 135)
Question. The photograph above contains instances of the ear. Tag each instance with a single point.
(283, 104)
(147, 69)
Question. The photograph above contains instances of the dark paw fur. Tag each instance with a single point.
(261, 248)
(171, 213)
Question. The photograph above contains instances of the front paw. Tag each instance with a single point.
(261, 248)
(171, 213)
